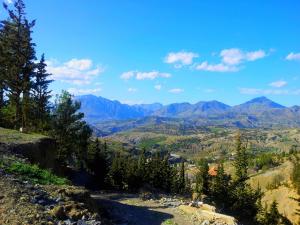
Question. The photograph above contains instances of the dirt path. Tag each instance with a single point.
(131, 210)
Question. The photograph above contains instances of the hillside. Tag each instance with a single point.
(33, 195)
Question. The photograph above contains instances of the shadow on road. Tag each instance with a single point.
(130, 214)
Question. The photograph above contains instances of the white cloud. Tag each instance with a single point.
(252, 56)
(132, 90)
(278, 84)
(293, 56)
(151, 75)
(235, 56)
(9, 1)
(75, 71)
(76, 91)
(144, 75)
(180, 59)
(127, 75)
(158, 87)
(231, 56)
(176, 90)
(231, 60)
(216, 67)
(79, 64)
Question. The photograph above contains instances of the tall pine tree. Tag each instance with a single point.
(17, 61)
(241, 161)
(41, 94)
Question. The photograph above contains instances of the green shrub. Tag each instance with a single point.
(35, 174)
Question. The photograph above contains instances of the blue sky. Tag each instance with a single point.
(171, 51)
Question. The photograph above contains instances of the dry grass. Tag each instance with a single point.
(286, 205)
(283, 194)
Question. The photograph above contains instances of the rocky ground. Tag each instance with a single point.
(130, 209)
(25, 203)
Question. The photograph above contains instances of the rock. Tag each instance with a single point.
(146, 195)
(81, 222)
(23, 198)
(202, 215)
(61, 191)
(58, 212)
(205, 222)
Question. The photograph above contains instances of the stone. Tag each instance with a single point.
(205, 222)
(81, 222)
(58, 212)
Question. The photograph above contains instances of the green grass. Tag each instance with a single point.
(31, 172)
(16, 137)
(169, 222)
(149, 143)
(35, 174)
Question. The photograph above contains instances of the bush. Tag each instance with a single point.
(35, 174)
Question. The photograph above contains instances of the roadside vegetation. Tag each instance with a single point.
(30, 172)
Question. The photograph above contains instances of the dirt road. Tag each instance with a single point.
(131, 210)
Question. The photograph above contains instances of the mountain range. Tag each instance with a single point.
(258, 112)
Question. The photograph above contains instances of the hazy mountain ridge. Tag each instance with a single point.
(258, 112)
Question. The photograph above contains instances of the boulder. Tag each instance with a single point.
(203, 215)
(58, 212)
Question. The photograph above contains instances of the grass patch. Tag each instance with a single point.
(169, 222)
(14, 136)
(34, 174)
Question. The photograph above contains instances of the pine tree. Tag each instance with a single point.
(69, 130)
(117, 172)
(98, 163)
(41, 94)
(220, 187)
(241, 161)
(244, 199)
(142, 164)
(182, 179)
(19, 54)
(132, 176)
(202, 178)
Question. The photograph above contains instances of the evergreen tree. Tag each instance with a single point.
(132, 175)
(202, 178)
(117, 172)
(273, 217)
(182, 179)
(41, 94)
(69, 130)
(220, 187)
(17, 61)
(244, 199)
(241, 161)
(97, 162)
(142, 166)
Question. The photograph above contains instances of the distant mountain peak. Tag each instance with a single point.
(97, 108)
(260, 99)
(265, 101)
